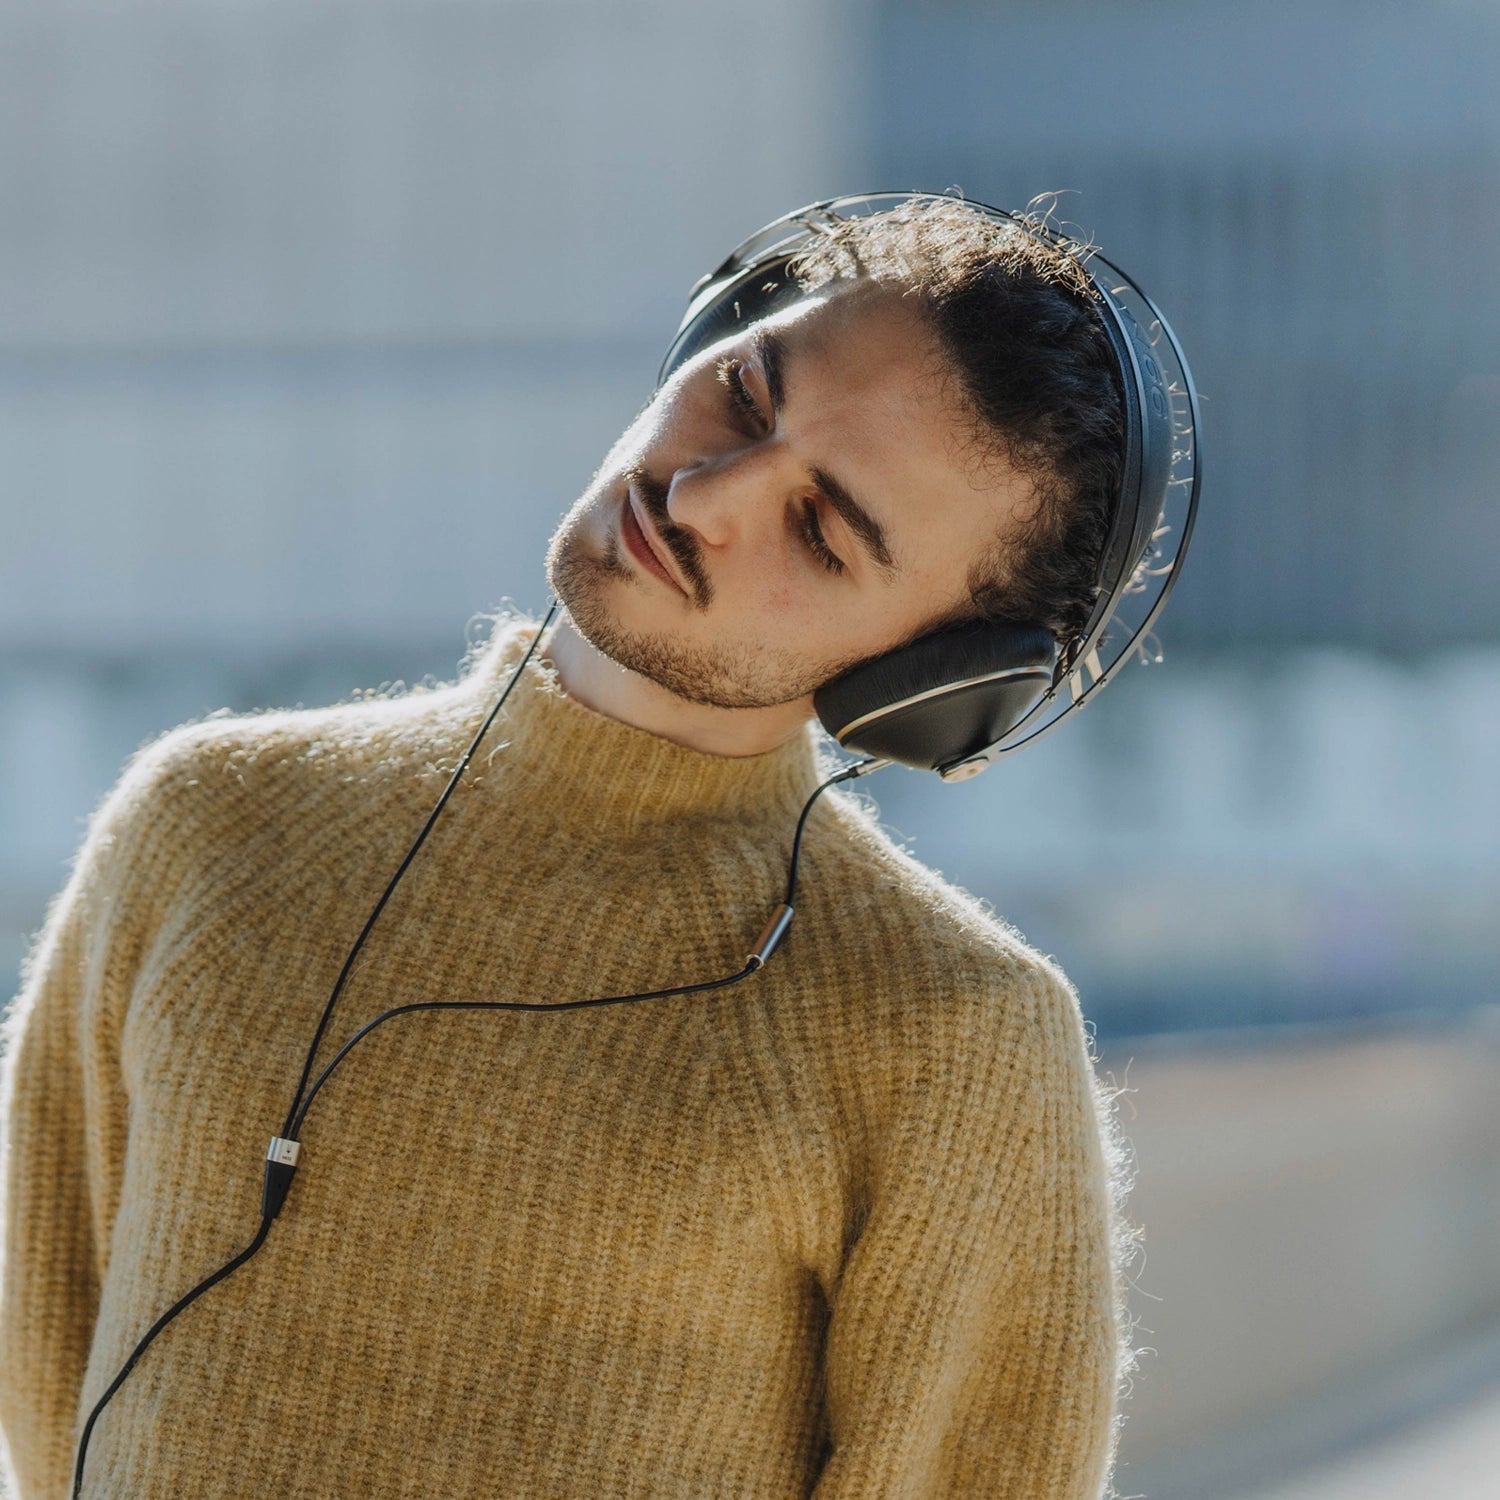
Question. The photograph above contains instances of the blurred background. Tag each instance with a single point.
(316, 314)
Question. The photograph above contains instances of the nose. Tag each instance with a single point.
(724, 497)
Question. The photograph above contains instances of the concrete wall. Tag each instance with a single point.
(1321, 1220)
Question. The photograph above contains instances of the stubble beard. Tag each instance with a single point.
(736, 674)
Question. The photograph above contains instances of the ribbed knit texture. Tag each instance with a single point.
(846, 1230)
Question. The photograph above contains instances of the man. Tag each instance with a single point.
(847, 1229)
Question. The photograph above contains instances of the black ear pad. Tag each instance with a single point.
(944, 698)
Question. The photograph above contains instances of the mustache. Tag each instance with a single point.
(678, 540)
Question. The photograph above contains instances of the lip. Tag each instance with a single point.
(636, 533)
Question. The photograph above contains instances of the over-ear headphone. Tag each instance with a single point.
(960, 697)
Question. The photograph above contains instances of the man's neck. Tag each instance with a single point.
(598, 683)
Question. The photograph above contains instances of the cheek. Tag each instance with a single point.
(647, 430)
(632, 443)
(784, 600)
(803, 616)
(784, 594)
(774, 602)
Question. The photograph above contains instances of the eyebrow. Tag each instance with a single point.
(769, 348)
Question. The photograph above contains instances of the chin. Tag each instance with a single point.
(730, 675)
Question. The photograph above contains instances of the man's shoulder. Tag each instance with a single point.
(879, 904)
(375, 736)
(275, 765)
(918, 994)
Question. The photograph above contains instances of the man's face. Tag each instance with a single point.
(793, 501)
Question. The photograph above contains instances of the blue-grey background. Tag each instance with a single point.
(314, 317)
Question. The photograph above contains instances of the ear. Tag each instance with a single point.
(942, 700)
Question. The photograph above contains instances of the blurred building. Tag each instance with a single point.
(1310, 191)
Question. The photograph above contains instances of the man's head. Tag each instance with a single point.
(933, 433)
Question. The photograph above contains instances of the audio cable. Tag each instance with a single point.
(285, 1149)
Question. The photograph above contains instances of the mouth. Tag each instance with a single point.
(647, 549)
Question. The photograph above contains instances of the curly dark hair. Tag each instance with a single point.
(1018, 319)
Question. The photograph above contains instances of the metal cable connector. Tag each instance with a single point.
(771, 935)
(281, 1167)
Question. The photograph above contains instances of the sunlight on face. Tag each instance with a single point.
(796, 499)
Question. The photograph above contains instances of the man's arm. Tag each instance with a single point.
(976, 1339)
(63, 1117)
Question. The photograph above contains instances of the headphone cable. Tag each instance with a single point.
(411, 854)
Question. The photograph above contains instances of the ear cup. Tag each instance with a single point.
(942, 699)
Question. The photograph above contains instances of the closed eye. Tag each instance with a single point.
(731, 373)
(812, 535)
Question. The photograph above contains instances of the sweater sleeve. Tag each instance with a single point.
(975, 1335)
(63, 1110)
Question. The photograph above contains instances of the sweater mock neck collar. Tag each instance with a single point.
(617, 774)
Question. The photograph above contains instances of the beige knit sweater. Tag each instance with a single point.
(846, 1230)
